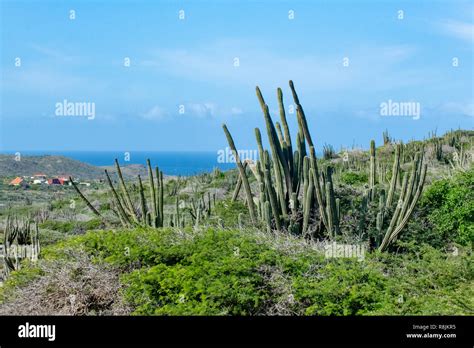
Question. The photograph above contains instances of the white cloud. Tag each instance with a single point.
(236, 111)
(201, 110)
(266, 66)
(155, 113)
(464, 109)
(461, 30)
(55, 54)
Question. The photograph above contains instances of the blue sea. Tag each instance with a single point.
(171, 163)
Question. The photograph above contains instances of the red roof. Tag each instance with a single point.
(54, 181)
(16, 181)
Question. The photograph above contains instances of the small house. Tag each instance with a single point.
(17, 181)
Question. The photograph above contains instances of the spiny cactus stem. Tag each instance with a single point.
(122, 212)
(91, 207)
(126, 194)
(152, 193)
(248, 192)
(317, 187)
(273, 201)
(400, 226)
(308, 200)
(235, 195)
(157, 198)
(372, 175)
(393, 180)
(142, 200)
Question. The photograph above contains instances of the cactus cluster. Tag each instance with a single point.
(289, 182)
(198, 208)
(438, 149)
(408, 195)
(386, 138)
(149, 212)
(20, 241)
(295, 196)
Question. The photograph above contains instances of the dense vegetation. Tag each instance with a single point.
(233, 272)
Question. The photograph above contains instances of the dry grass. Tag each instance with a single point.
(76, 287)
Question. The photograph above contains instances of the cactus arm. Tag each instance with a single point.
(245, 181)
(142, 200)
(238, 185)
(393, 180)
(117, 200)
(273, 201)
(152, 193)
(91, 207)
(126, 194)
(308, 200)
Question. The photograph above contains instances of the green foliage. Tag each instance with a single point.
(72, 226)
(239, 272)
(19, 278)
(229, 211)
(341, 287)
(354, 178)
(221, 277)
(136, 248)
(426, 281)
(449, 205)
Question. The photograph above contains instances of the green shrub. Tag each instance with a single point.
(19, 278)
(341, 287)
(449, 206)
(353, 178)
(72, 226)
(229, 211)
(427, 281)
(244, 272)
(60, 226)
(221, 277)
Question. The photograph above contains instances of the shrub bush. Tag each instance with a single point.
(354, 178)
(449, 206)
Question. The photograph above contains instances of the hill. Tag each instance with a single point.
(58, 165)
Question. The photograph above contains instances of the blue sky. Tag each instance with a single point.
(190, 63)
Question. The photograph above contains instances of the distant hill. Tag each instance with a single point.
(59, 165)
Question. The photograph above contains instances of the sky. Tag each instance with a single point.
(187, 76)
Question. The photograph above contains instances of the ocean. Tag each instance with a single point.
(171, 163)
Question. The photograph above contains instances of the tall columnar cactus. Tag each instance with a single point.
(372, 171)
(128, 201)
(291, 188)
(245, 180)
(86, 201)
(331, 207)
(283, 174)
(386, 138)
(308, 199)
(143, 206)
(148, 214)
(238, 185)
(409, 195)
(395, 173)
(152, 194)
(20, 242)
